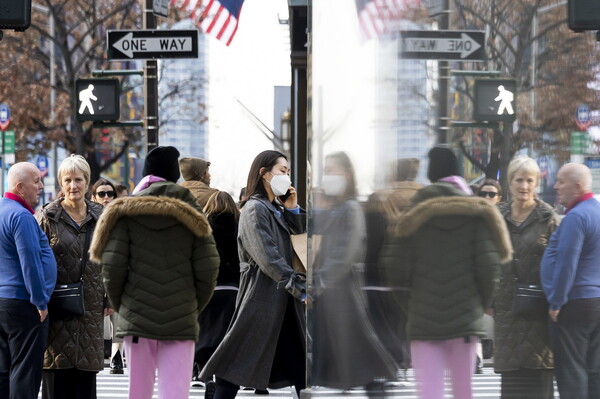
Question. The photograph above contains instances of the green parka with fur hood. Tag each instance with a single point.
(159, 262)
(445, 261)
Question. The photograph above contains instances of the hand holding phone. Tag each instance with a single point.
(289, 199)
(285, 196)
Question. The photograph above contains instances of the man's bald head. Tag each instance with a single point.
(579, 174)
(573, 180)
(19, 173)
(24, 180)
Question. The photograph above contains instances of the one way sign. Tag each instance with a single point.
(152, 44)
(443, 45)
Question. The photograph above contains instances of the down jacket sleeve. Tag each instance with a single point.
(397, 262)
(115, 261)
(205, 264)
(487, 263)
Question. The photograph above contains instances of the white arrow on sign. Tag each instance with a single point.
(129, 45)
(464, 46)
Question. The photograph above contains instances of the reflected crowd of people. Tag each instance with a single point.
(415, 277)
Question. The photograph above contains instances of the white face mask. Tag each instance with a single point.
(280, 184)
(333, 185)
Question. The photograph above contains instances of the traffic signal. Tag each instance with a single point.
(15, 14)
(584, 15)
(495, 100)
(97, 100)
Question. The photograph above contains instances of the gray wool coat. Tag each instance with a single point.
(268, 282)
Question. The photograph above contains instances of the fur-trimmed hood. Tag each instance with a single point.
(467, 207)
(146, 206)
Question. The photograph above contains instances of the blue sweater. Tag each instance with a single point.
(27, 263)
(570, 267)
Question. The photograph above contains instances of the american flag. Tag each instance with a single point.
(216, 17)
(378, 17)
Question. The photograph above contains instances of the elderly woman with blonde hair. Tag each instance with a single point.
(75, 352)
(522, 352)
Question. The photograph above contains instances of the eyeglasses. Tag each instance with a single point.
(490, 194)
(109, 194)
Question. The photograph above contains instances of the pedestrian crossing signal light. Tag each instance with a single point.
(495, 100)
(97, 100)
(584, 15)
(15, 14)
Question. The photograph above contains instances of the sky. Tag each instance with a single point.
(259, 59)
(247, 71)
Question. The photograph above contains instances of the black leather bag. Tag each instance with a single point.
(67, 299)
(530, 301)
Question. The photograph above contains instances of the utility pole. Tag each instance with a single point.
(150, 86)
(444, 76)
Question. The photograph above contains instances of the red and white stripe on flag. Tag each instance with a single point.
(217, 18)
(377, 17)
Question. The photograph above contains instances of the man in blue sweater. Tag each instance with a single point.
(570, 273)
(27, 279)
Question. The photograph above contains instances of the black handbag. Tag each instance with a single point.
(530, 300)
(67, 299)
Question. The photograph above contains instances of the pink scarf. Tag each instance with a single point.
(146, 182)
(459, 182)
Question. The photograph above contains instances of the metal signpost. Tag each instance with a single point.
(152, 44)
(443, 45)
(4, 122)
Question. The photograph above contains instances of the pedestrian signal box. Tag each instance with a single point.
(15, 14)
(97, 99)
(584, 15)
(495, 100)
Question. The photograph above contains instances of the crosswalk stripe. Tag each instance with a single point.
(487, 385)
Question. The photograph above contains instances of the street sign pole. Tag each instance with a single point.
(150, 86)
(443, 82)
(4, 122)
(2, 166)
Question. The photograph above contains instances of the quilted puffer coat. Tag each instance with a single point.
(76, 342)
(519, 342)
(159, 263)
(447, 252)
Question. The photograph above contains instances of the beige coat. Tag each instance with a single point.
(200, 190)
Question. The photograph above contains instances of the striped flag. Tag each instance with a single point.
(378, 17)
(216, 17)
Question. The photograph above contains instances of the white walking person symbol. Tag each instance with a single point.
(85, 96)
(506, 98)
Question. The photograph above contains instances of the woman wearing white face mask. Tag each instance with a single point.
(346, 353)
(265, 344)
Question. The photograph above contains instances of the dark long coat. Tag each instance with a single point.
(76, 342)
(346, 350)
(523, 343)
(246, 355)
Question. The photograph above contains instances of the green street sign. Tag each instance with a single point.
(580, 143)
(9, 142)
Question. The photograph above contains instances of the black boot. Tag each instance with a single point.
(116, 364)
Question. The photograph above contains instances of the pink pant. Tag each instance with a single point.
(430, 359)
(174, 361)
